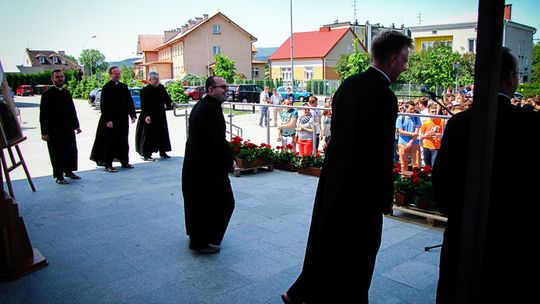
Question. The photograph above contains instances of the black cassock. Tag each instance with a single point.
(208, 197)
(355, 189)
(58, 119)
(153, 137)
(514, 204)
(116, 106)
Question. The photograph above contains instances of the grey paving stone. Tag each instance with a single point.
(120, 238)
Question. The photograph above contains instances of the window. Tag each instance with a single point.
(255, 72)
(41, 59)
(308, 73)
(472, 45)
(429, 44)
(216, 50)
(286, 74)
(55, 60)
(216, 29)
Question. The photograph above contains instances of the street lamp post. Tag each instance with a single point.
(83, 49)
(292, 53)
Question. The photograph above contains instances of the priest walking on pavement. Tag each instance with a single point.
(113, 127)
(152, 130)
(59, 123)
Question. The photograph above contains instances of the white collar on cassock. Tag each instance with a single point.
(503, 94)
(382, 73)
(59, 88)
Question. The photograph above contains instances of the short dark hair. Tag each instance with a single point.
(210, 81)
(56, 71)
(508, 63)
(387, 44)
(112, 68)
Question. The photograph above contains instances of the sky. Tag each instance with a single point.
(69, 24)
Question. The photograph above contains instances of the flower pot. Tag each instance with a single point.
(242, 163)
(310, 171)
(401, 199)
(285, 167)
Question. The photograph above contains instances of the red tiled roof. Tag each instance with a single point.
(315, 44)
(148, 43)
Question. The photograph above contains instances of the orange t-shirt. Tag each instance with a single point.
(437, 125)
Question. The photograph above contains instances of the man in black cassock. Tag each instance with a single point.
(152, 133)
(113, 127)
(208, 197)
(509, 260)
(346, 224)
(59, 123)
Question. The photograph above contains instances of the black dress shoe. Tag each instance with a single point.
(208, 249)
(149, 158)
(164, 155)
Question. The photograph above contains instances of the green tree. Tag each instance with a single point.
(72, 58)
(433, 67)
(354, 63)
(535, 69)
(177, 93)
(225, 67)
(93, 61)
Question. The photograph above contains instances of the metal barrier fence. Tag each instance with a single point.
(182, 111)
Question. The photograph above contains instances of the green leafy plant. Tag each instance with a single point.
(418, 186)
(311, 161)
(250, 152)
(285, 155)
(224, 67)
(177, 92)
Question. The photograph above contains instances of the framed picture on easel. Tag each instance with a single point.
(10, 128)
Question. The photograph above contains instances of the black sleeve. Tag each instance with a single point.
(145, 106)
(166, 98)
(45, 114)
(106, 104)
(74, 119)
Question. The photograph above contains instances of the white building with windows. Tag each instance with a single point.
(462, 38)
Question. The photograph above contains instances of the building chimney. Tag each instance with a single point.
(63, 53)
(198, 19)
(508, 12)
(205, 16)
(324, 29)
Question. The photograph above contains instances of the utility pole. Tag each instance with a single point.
(292, 53)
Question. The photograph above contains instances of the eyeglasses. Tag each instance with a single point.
(223, 86)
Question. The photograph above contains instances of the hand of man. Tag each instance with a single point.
(148, 120)
(78, 130)
(45, 137)
(109, 124)
(408, 145)
(133, 119)
(173, 105)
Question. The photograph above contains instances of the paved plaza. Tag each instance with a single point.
(120, 238)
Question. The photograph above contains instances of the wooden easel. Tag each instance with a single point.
(17, 257)
(15, 164)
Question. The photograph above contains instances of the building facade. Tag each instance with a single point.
(315, 54)
(191, 48)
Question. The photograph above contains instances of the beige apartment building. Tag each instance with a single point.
(191, 48)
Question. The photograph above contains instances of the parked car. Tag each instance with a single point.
(244, 93)
(299, 94)
(135, 95)
(92, 96)
(195, 92)
(24, 90)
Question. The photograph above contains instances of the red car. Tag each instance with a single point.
(24, 90)
(195, 93)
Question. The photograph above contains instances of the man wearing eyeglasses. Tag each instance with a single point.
(208, 197)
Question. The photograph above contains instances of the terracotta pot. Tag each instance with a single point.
(310, 171)
(242, 163)
(285, 167)
(401, 199)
